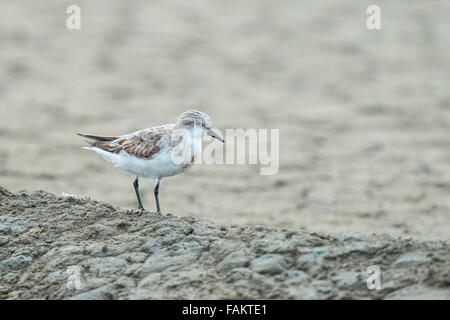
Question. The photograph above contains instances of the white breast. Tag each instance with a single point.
(159, 166)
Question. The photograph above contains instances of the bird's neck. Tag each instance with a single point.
(196, 136)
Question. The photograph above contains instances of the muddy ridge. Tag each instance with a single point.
(45, 240)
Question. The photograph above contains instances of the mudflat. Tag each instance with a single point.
(56, 247)
(363, 115)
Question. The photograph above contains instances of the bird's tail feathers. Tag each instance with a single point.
(98, 138)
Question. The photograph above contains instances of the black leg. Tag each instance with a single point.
(136, 188)
(158, 210)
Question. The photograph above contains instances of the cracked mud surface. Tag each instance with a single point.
(123, 256)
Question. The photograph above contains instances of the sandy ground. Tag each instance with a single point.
(363, 115)
(70, 248)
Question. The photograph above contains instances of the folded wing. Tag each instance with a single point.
(141, 144)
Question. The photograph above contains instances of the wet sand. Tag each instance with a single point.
(363, 115)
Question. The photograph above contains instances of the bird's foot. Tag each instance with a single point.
(141, 211)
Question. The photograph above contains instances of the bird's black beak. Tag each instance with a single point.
(211, 133)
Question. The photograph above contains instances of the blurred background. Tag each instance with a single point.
(364, 116)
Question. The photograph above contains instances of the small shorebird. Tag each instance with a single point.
(151, 153)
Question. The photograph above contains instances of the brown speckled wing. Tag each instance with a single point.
(141, 144)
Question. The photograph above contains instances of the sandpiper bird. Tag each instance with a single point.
(152, 153)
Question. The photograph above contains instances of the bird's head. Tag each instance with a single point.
(192, 118)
